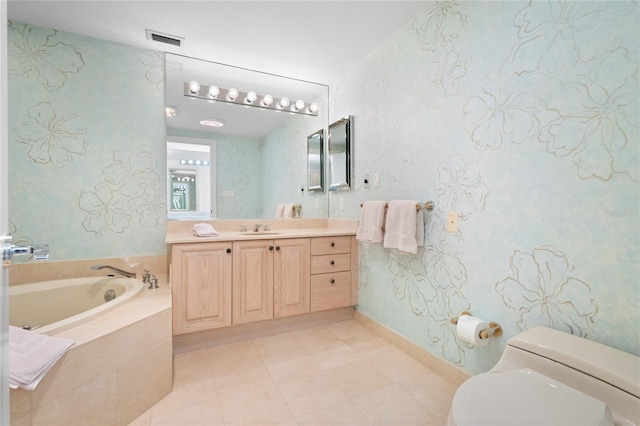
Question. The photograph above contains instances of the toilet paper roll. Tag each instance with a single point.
(469, 328)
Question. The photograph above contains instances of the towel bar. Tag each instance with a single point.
(427, 206)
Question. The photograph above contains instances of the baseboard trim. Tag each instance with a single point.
(237, 333)
(438, 365)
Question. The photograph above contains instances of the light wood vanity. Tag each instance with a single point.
(298, 268)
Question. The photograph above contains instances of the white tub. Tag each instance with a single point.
(50, 307)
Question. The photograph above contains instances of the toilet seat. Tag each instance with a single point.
(524, 397)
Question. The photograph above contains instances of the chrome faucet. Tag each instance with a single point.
(256, 227)
(119, 271)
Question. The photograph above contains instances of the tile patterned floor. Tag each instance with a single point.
(337, 374)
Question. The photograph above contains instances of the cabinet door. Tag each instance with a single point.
(252, 281)
(201, 286)
(291, 277)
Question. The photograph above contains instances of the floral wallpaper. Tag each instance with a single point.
(523, 119)
(86, 144)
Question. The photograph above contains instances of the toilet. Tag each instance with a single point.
(547, 377)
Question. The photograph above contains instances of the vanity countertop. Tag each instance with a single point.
(189, 237)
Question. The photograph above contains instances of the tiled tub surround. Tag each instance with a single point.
(120, 365)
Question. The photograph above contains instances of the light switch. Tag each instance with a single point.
(452, 222)
(376, 180)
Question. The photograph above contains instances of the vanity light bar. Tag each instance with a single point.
(249, 99)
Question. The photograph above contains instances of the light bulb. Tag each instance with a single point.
(250, 98)
(213, 92)
(194, 87)
(283, 103)
(170, 111)
(313, 108)
(297, 106)
(232, 94)
(267, 100)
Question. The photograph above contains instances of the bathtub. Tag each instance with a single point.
(106, 377)
(50, 307)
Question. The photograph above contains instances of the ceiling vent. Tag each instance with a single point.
(165, 38)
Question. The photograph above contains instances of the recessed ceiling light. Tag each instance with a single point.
(212, 123)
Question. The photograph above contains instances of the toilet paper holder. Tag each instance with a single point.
(494, 329)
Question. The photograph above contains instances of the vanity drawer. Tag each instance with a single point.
(329, 291)
(330, 263)
(328, 245)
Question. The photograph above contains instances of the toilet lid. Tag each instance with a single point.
(524, 397)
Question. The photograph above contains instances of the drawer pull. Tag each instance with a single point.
(332, 281)
(278, 248)
(228, 250)
(332, 262)
(333, 244)
(270, 248)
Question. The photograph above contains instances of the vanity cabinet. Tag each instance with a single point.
(331, 272)
(219, 284)
(201, 286)
(270, 279)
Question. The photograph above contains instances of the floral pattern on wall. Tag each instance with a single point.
(154, 63)
(91, 209)
(53, 137)
(545, 292)
(444, 77)
(523, 119)
(557, 88)
(130, 186)
(439, 24)
(35, 53)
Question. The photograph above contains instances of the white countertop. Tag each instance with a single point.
(189, 237)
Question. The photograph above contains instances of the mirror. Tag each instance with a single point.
(190, 178)
(261, 154)
(340, 145)
(315, 161)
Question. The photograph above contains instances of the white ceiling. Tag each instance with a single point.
(316, 41)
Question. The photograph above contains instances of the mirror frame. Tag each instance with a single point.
(311, 185)
(341, 130)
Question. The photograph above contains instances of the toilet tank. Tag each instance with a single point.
(605, 373)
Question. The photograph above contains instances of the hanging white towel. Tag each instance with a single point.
(32, 355)
(280, 210)
(289, 211)
(204, 230)
(371, 226)
(404, 226)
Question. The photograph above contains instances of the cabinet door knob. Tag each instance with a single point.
(271, 248)
(332, 262)
(228, 250)
(277, 247)
(333, 244)
(333, 281)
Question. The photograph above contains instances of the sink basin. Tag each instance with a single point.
(261, 233)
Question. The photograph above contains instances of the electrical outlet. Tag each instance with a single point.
(452, 222)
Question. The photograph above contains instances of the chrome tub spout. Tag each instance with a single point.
(119, 271)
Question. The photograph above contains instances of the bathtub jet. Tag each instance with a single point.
(114, 269)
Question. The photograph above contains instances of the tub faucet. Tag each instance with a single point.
(120, 271)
